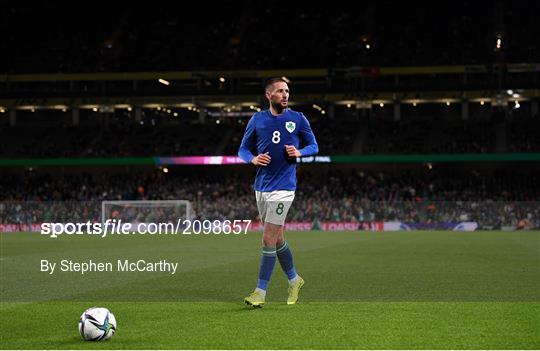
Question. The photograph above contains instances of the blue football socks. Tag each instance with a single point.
(268, 261)
(285, 257)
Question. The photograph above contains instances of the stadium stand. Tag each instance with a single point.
(342, 195)
(351, 50)
(129, 138)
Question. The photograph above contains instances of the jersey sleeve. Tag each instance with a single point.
(311, 148)
(248, 142)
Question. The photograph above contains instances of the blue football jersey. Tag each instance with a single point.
(268, 133)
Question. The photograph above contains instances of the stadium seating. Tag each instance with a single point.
(127, 138)
(337, 196)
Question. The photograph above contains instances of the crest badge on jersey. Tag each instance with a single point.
(290, 126)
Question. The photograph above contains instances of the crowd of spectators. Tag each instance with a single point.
(501, 198)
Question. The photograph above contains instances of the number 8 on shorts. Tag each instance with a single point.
(273, 206)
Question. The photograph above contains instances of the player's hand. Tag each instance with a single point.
(261, 160)
(292, 151)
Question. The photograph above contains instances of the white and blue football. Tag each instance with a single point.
(97, 324)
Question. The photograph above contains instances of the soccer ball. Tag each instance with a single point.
(97, 324)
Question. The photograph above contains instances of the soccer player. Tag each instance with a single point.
(275, 135)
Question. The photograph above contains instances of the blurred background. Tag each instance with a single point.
(424, 115)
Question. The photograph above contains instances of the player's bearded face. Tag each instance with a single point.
(279, 96)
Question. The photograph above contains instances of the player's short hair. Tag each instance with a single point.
(270, 82)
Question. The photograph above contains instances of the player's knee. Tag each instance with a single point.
(269, 241)
(280, 240)
(271, 234)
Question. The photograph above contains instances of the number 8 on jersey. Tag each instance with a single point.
(276, 137)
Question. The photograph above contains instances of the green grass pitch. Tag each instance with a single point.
(364, 290)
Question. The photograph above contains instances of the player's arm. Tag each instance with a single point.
(311, 148)
(248, 143)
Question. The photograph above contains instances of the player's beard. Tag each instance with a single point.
(278, 107)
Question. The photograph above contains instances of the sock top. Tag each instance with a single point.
(269, 251)
(283, 247)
